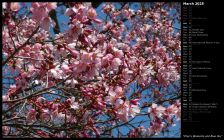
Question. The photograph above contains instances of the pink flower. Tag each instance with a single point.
(31, 115)
(54, 72)
(156, 127)
(65, 68)
(70, 11)
(36, 47)
(138, 132)
(168, 74)
(118, 90)
(41, 100)
(71, 119)
(51, 5)
(118, 103)
(4, 5)
(73, 82)
(108, 7)
(73, 52)
(127, 74)
(134, 109)
(122, 112)
(114, 94)
(156, 111)
(135, 101)
(118, 53)
(35, 4)
(74, 31)
(106, 59)
(174, 110)
(12, 90)
(91, 13)
(14, 6)
(124, 109)
(107, 26)
(72, 45)
(5, 98)
(80, 67)
(54, 110)
(62, 134)
(45, 116)
(45, 24)
(128, 13)
(39, 13)
(116, 62)
(58, 118)
(5, 130)
(86, 57)
(74, 105)
(100, 104)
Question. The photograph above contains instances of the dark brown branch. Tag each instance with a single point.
(53, 16)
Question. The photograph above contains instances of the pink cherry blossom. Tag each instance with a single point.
(118, 90)
(134, 109)
(5, 130)
(65, 68)
(74, 105)
(14, 6)
(156, 110)
(51, 5)
(127, 13)
(139, 132)
(156, 127)
(12, 91)
(123, 114)
(46, 23)
(118, 53)
(91, 13)
(116, 62)
(41, 100)
(135, 101)
(168, 74)
(125, 109)
(31, 115)
(5, 98)
(108, 7)
(45, 116)
(119, 102)
(40, 13)
(107, 59)
(4, 5)
(70, 11)
(127, 74)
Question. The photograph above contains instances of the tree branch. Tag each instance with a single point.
(53, 16)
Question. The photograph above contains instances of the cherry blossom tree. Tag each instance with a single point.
(112, 64)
